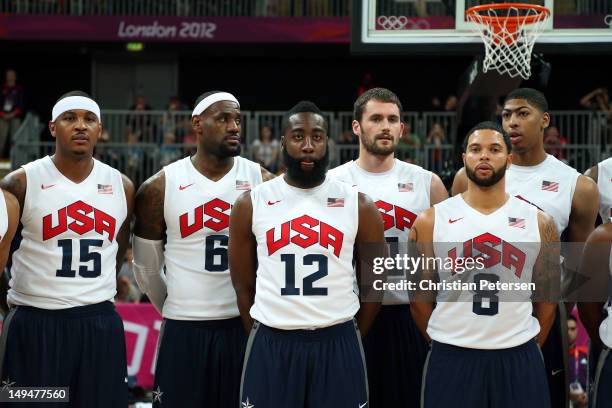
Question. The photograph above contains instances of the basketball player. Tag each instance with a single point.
(559, 190)
(63, 330)
(483, 352)
(597, 265)
(188, 203)
(601, 174)
(291, 250)
(395, 350)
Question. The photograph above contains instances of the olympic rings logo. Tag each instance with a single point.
(608, 20)
(402, 23)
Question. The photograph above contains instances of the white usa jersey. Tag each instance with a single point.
(67, 256)
(605, 328)
(305, 240)
(549, 185)
(3, 216)
(508, 240)
(400, 194)
(197, 214)
(604, 185)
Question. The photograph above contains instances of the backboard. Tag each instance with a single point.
(440, 27)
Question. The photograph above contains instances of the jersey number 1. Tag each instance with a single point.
(308, 290)
(85, 255)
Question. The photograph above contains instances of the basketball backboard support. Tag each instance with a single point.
(440, 27)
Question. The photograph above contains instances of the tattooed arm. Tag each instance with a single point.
(15, 183)
(546, 276)
(12, 208)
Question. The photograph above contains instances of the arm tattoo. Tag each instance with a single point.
(149, 209)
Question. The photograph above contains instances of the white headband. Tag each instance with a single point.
(209, 100)
(75, 102)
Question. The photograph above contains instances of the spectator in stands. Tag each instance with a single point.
(266, 149)
(597, 99)
(169, 151)
(172, 122)
(140, 122)
(450, 105)
(578, 366)
(366, 83)
(12, 103)
(410, 144)
(127, 271)
(436, 138)
(347, 138)
(553, 142)
(134, 159)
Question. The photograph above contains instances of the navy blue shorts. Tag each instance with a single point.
(199, 363)
(395, 353)
(321, 368)
(82, 348)
(556, 360)
(603, 381)
(459, 377)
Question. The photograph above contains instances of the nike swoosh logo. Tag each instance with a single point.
(454, 221)
(363, 405)
(184, 187)
(274, 202)
(42, 186)
(555, 372)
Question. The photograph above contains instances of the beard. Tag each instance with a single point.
(221, 150)
(372, 148)
(494, 178)
(306, 178)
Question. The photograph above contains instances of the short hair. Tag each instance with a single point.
(533, 96)
(303, 107)
(491, 126)
(74, 93)
(203, 96)
(572, 317)
(379, 94)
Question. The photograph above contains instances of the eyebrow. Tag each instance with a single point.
(516, 109)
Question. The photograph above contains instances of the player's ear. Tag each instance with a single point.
(196, 122)
(52, 128)
(463, 158)
(545, 120)
(509, 160)
(356, 128)
(282, 142)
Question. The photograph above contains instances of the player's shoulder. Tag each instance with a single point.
(561, 167)
(606, 163)
(154, 184)
(603, 233)
(341, 172)
(403, 166)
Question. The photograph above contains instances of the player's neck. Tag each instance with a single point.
(75, 169)
(374, 163)
(532, 157)
(485, 199)
(301, 184)
(212, 167)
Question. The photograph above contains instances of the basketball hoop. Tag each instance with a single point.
(509, 31)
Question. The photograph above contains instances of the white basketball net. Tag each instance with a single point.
(509, 42)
